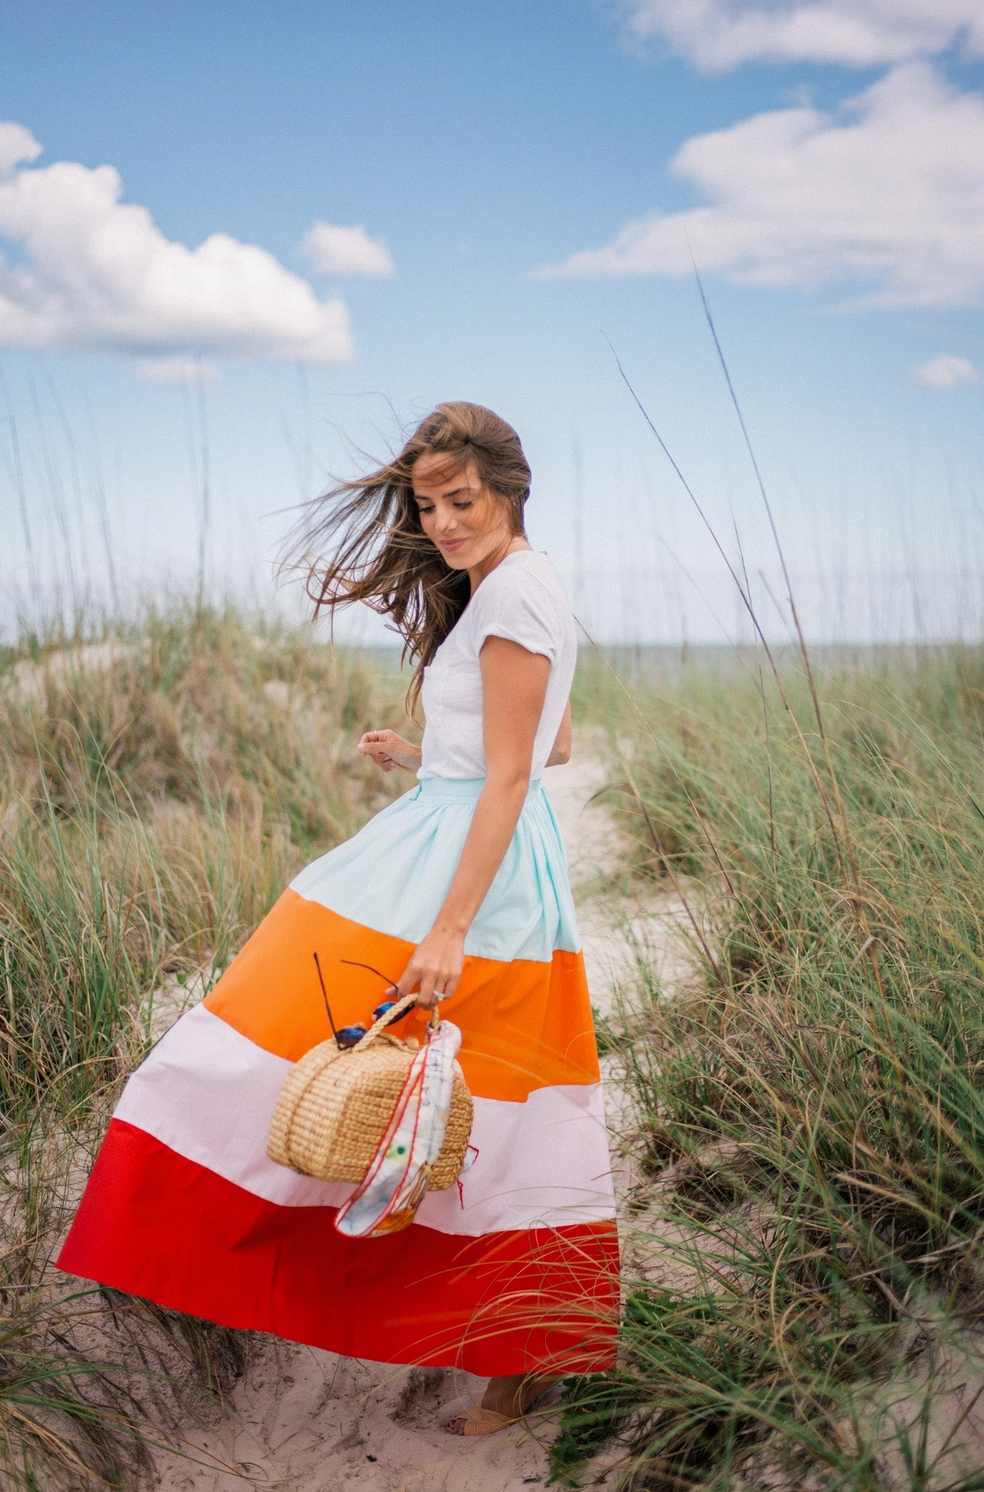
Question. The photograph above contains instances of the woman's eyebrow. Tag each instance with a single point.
(426, 498)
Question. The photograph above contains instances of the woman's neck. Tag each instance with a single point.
(514, 544)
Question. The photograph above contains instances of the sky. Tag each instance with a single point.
(247, 246)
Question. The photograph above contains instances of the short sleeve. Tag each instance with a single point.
(514, 604)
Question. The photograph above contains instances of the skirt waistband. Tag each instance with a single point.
(462, 789)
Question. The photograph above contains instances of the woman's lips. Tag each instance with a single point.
(452, 544)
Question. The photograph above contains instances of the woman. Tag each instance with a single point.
(460, 887)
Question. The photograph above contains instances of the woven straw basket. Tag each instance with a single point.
(335, 1106)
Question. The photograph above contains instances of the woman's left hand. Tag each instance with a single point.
(435, 965)
(388, 750)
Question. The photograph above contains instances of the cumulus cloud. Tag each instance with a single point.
(332, 250)
(722, 34)
(887, 193)
(945, 372)
(92, 273)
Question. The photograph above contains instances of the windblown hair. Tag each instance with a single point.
(362, 540)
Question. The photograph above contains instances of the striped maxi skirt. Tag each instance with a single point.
(515, 1268)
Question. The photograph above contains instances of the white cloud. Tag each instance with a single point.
(177, 369)
(332, 250)
(722, 34)
(17, 144)
(945, 372)
(94, 274)
(887, 193)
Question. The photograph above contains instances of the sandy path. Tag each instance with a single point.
(306, 1419)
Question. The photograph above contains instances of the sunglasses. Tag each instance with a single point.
(350, 1036)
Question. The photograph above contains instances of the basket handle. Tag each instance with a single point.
(400, 1008)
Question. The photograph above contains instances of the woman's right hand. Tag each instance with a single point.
(388, 750)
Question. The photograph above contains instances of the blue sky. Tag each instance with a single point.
(527, 179)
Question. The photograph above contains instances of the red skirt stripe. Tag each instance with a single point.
(157, 1225)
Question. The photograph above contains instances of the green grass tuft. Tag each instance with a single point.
(809, 1108)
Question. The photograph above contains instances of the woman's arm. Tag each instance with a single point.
(514, 686)
(561, 753)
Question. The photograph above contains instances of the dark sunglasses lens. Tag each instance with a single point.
(385, 1009)
(350, 1036)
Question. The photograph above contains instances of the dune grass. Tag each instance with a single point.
(809, 1110)
(159, 784)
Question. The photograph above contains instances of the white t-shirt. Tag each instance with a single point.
(522, 600)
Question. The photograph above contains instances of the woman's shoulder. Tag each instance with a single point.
(528, 574)
(523, 600)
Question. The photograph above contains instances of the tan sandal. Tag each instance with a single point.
(479, 1421)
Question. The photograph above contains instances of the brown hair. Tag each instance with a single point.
(362, 540)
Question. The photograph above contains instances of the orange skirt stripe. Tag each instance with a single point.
(528, 1023)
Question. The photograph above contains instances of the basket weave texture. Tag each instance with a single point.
(335, 1107)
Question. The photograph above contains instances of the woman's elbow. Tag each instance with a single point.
(560, 756)
(512, 781)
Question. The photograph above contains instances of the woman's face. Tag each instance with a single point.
(467, 522)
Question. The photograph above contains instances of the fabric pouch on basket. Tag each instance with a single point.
(396, 1182)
